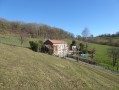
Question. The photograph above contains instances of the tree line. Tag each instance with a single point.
(33, 30)
(110, 35)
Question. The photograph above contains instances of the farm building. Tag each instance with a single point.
(60, 48)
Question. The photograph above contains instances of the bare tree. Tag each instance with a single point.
(78, 37)
(22, 36)
(114, 54)
(40, 44)
(85, 33)
(92, 52)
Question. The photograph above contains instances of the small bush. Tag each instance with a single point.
(85, 51)
(36, 45)
(81, 46)
(33, 45)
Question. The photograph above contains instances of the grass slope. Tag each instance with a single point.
(23, 69)
(15, 40)
(101, 50)
(101, 56)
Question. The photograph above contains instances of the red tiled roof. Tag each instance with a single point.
(57, 41)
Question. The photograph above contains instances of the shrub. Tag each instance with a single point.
(33, 45)
(81, 46)
(85, 51)
(36, 45)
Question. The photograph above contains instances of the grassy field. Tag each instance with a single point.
(101, 56)
(23, 69)
(15, 40)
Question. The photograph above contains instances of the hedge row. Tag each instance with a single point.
(116, 44)
(82, 59)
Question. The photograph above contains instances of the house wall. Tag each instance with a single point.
(60, 49)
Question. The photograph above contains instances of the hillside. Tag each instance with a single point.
(106, 40)
(23, 69)
(33, 30)
(101, 56)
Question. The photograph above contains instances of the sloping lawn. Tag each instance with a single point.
(23, 69)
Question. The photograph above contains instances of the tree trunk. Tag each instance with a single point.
(117, 66)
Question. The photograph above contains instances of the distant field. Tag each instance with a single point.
(101, 56)
(23, 69)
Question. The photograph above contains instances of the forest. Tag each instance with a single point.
(33, 30)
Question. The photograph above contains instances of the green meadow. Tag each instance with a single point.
(13, 40)
(101, 56)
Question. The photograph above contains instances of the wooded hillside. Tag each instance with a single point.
(33, 30)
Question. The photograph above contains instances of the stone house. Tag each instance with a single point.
(60, 47)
